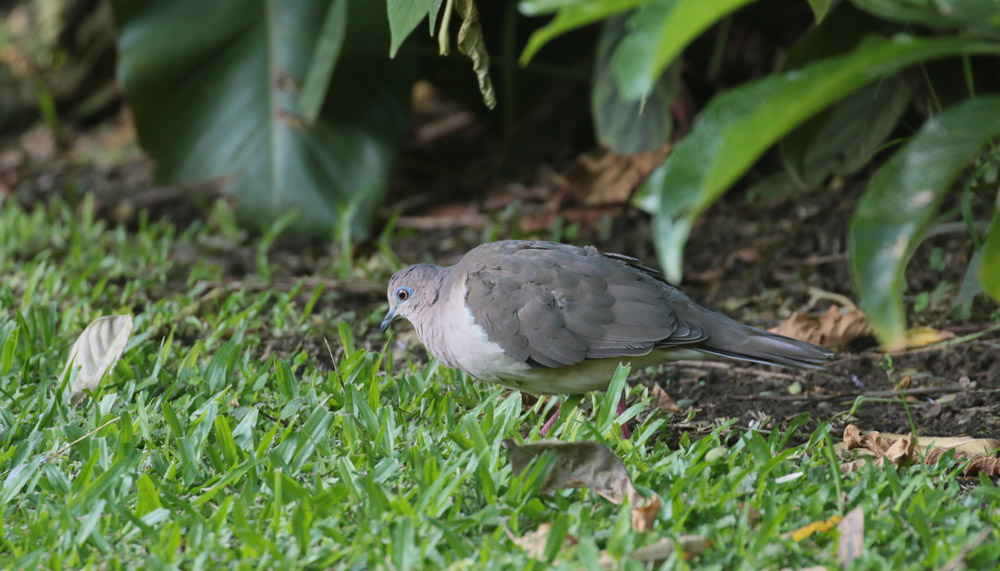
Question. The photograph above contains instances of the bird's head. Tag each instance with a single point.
(412, 290)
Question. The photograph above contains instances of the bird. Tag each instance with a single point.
(555, 319)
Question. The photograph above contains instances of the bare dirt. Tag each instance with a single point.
(754, 260)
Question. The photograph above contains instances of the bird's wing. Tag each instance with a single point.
(551, 305)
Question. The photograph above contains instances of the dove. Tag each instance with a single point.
(554, 319)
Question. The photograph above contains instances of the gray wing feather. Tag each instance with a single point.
(552, 305)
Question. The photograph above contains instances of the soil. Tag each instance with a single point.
(754, 260)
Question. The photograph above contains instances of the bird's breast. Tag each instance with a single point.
(455, 339)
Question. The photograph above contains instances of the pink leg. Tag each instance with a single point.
(626, 429)
(551, 421)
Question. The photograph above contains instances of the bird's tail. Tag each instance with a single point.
(751, 344)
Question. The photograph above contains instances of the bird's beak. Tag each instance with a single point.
(389, 318)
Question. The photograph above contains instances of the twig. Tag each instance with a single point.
(871, 394)
(816, 260)
(929, 348)
(957, 562)
(816, 294)
(71, 444)
(735, 369)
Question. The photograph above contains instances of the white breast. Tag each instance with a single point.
(457, 341)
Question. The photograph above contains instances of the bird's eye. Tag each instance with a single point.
(403, 294)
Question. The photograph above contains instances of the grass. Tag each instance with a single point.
(227, 436)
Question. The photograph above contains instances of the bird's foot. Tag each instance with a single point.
(622, 405)
(551, 421)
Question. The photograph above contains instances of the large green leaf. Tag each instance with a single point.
(628, 127)
(738, 126)
(323, 60)
(572, 14)
(661, 29)
(820, 9)
(901, 201)
(215, 91)
(989, 271)
(404, 15)
(843, 140)
(982, 16)
(838, 141)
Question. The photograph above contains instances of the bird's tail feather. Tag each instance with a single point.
(768, 348)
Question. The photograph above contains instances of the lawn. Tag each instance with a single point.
(257, 419)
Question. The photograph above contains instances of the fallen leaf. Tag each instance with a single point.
(904, 383)
(690, 545)
(852, 466)
(644, 516)
(662, 401)
(534, 542)
(852, 537)
(834, 328)
(902, 452)
(966, 444)
(872, 441)
(814, 527)
(608, 178)
(96, 351)
(748, 255)
(923, 336)
(899, 449)
(584, 464)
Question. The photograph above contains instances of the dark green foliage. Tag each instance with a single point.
(216, 91)
(838, 100)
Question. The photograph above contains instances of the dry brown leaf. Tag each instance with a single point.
(748, 255)
(872, 441)
(534, 542)
(852, 466)
(852, 536)
(904, 383)
(984, 465)
(610, 178)
(644, 516)
(959, 443)
(96, 351)
(662, 401)
(834, 328)
(40, 144)
(904, 450)
(923, 336)
(690, 545)
(585, 464)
